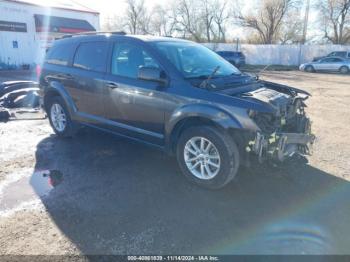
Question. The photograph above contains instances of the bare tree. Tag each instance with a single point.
(291, 31)
(113, 23)
(221, 17)
(162, 22)
(336, 18)
(187, 17)
(207, 15)
(136, 17)
(200, 20)
(267, 19)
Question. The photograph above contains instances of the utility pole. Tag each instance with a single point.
(306, 21)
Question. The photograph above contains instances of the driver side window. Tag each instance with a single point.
(127, 58)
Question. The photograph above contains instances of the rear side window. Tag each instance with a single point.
(91, 56)
(59, 55)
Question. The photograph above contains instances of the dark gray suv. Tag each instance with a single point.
(176, 95)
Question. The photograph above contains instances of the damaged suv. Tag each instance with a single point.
(176, 95)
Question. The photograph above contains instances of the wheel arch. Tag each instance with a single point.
(185, 118)
(56, 89)
(344, 66)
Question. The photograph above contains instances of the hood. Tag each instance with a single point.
(227, 82)
(269, 96)
(258, 95)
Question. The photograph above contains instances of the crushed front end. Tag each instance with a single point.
(287, 131)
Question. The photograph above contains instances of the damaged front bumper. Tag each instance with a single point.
(279, 146)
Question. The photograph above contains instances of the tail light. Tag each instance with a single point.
(38, 71)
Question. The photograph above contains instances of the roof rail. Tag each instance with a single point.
(95, 33)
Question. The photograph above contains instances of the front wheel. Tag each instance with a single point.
(207, 156)
(309, 69)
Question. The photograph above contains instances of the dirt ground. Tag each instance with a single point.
(98, 194)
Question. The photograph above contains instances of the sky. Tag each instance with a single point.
(109, 8)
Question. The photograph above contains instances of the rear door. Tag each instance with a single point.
(331, 64)
(336, 64)
(87, 76)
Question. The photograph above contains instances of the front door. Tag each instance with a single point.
(135, 107)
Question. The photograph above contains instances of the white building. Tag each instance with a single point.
(28, 28)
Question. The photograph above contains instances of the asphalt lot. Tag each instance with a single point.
(107, 195)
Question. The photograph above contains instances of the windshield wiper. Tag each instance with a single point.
(205, 82)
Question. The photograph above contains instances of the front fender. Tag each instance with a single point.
(57, 87)
(217, 115)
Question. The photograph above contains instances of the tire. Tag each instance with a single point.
(344, 70)
(310, 69)
(227, 157)
(69, 128)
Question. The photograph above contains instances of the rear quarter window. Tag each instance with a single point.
(59, 54)
(341, 54)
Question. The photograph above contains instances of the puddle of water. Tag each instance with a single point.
(28, 187)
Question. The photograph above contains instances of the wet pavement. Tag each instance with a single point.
(108, 195)
(25, 187)
(98, 194)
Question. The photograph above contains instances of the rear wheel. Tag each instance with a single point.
(59, 118)
(344, 70)
(207, 156)
(309, 69)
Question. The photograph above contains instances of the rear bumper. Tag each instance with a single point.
(280, 146)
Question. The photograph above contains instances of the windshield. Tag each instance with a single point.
(194, 60)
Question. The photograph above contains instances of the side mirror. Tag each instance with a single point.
(152, 74)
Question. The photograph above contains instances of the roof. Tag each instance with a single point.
(151, 38)
(57, 4)
(102, 35)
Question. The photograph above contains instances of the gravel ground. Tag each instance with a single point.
(97, 194)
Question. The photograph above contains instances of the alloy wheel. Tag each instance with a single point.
(58, 117)
(202, 158)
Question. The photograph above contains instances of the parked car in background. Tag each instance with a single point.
(342, 54)
(331, 64)
(235, 58)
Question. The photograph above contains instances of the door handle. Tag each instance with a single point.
(112, 85)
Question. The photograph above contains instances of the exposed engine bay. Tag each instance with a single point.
(284, 129)
(289, 116)
(285, 132)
